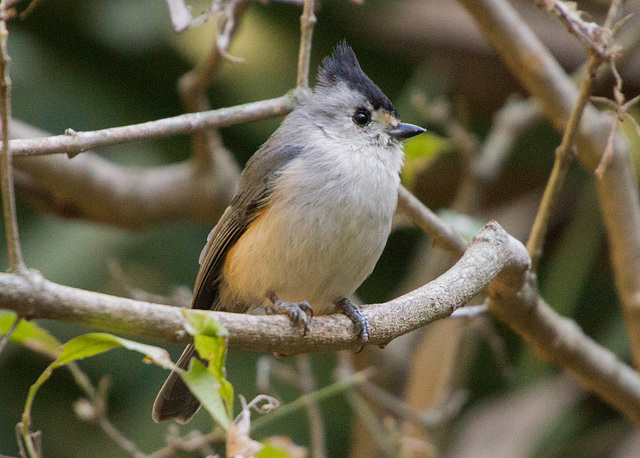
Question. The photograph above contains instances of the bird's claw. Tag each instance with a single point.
(360, 322)
(299, 312)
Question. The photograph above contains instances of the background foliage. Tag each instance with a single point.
(92, 64)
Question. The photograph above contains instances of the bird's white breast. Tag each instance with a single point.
(324, 231)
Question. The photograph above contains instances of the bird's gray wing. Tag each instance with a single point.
(254, 192)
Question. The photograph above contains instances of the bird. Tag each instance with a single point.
(310, 217)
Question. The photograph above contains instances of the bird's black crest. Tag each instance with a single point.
(343, 66)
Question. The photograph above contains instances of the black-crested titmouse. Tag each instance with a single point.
(311, 215)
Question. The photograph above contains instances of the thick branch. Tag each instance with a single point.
(492, 251)
(560, 341)
(95, 189)
(516, 301)
(617, 190)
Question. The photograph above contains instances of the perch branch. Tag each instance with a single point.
(492, 251)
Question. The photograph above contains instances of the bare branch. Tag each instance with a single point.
(73, 143)
(307, 21)
(206, 145)
(95, 189)
(560, 341)
(16, 260)
(491, 252)
(92, 188)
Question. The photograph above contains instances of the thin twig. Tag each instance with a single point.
(16, 260)
(371, 421)
(430, 419)
(314, 413)
(119, 438)
(470, 311)
(597, 39)
(7, 335)
(564, 156)
(191, 442)
(307, 21)
(194, 84)
(323, 393)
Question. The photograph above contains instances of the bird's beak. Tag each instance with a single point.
(403, 131)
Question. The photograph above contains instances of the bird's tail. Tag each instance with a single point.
(175, 401)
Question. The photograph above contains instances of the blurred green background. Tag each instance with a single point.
(89, 64)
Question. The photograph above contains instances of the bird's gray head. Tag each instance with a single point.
(347, 106)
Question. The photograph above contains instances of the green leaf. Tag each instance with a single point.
(210, 340)
(281, 447)
(419, 151)
(90, 345)
(207, 389)
(269, 451)
(425, 145)
(30, 335)
(199, 322)
(631, 130)
(98, 342)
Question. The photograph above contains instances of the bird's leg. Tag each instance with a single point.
(354, 313)
(299, 312)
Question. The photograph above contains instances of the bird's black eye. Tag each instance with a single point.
(362, 117)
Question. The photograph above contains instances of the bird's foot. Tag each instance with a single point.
(299, 312)
(360, 322)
